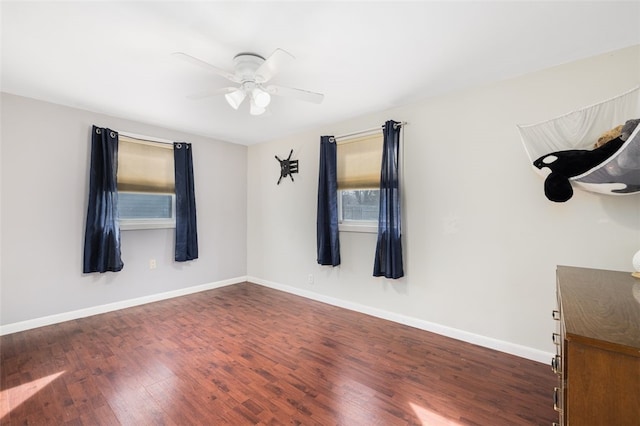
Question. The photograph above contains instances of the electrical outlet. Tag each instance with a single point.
(310, 279)
(152, 264)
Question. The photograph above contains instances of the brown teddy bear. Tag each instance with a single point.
(622, 131)
(609, 135)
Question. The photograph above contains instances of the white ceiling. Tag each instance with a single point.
(115, 57)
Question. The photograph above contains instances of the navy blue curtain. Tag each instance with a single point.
(327, 219)
(388, 260)
(102, 232)
(186, 226)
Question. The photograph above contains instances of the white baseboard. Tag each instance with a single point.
(476, 339)
(95, 310)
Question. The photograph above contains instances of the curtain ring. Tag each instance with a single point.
(98, 131)
(332, 139)
(178, 145)
(113, 135)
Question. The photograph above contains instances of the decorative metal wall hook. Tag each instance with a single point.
(287, 167)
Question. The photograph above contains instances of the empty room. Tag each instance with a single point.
(320, 213)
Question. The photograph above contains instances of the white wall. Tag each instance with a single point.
(45, 158)
(481, 241)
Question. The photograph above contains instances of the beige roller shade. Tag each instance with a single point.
(145, 166)
(359, 162)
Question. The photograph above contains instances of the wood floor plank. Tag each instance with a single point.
(249, 355)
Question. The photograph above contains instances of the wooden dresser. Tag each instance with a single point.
(598, 347)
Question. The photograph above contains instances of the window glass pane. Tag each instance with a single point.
(132, 205)
(360, 205)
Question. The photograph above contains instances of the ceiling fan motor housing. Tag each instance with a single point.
(246, 65)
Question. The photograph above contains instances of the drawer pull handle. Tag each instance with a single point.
(555, 364)
(555, 314)
(556, 403)
(556, 338)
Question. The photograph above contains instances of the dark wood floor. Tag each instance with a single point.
(246, 354)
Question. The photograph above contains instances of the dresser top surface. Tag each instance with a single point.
(600, 305)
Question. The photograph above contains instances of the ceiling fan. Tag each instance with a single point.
(251, 73)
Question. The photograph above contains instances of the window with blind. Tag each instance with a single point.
(146, 184)
(358, 168)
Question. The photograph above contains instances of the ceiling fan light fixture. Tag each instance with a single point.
(261, 98)
(235, 98)
(255, 109)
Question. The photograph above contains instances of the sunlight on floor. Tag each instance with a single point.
(430, 418)
(13, 397)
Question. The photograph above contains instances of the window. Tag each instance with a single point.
(358, 166)
(141, 210)
(146, 185)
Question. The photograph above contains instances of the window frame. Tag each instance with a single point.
(131, 224)
(362, 226)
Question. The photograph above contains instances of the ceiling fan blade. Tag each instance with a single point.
(207, 66)
(273, 64)
(303, 95)
(213, 92)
